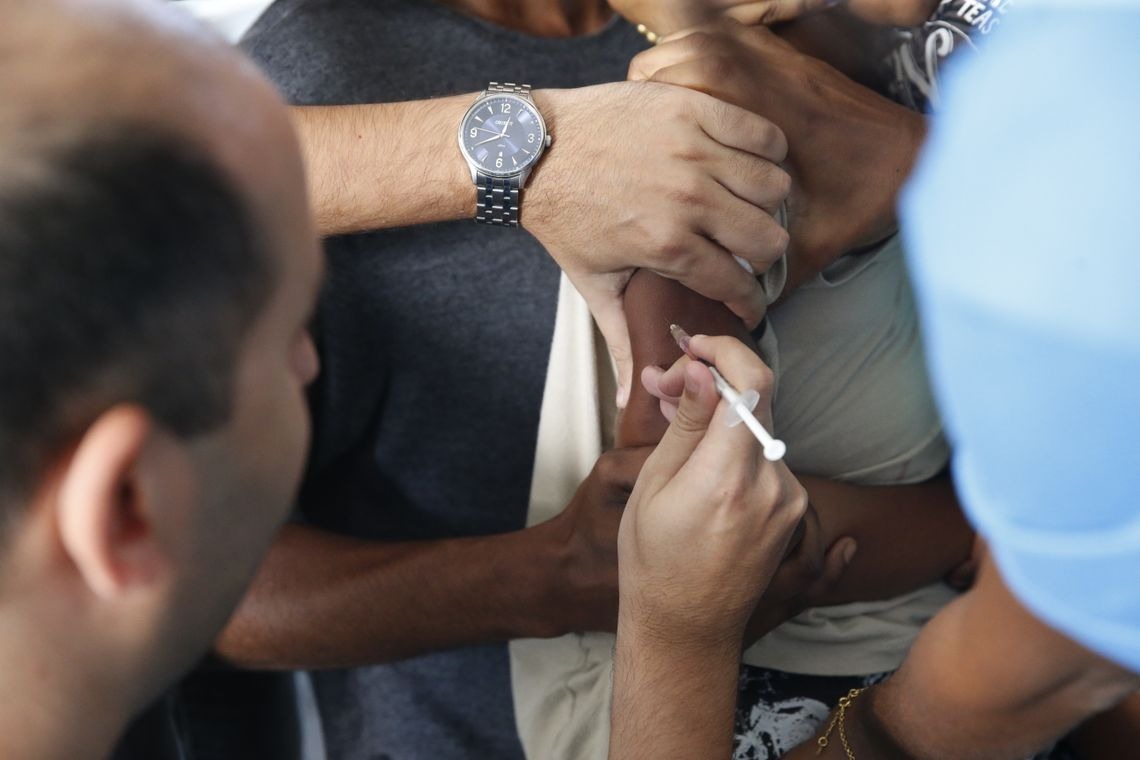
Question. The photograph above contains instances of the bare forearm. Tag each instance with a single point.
(652, 303)
(671, 702)
(985, 679)
(908, 535)
(322, 600)
(385, 165)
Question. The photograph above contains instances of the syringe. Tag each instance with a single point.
(741, 404)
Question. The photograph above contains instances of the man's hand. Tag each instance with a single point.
(709, 519)
(587, 532)
(809, 571)
(849, 148)
(645, 175)
(702, 535)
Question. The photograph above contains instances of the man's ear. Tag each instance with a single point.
(105, 525)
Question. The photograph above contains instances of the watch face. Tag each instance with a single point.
(502, 134)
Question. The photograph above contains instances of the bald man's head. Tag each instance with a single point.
(146, 171)
(158, 268)
(73, 66)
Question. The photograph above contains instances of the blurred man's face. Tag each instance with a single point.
(248, 471)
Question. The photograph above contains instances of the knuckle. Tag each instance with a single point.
(727, 117)
(779, 242)
(761, 378)
(738, 289)
(718, 68)
(606, 469)
(795, 501)
(773, 137)
(780, 142)
(780, 182)
(727, 27)
(702, 42)
(688, 150)
(676, 103)
(687, 191)
(669, 244)
(770, 13)
(765, 378)
(770, 242)
(733, 492)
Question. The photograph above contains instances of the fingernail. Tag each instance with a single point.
(680, 336)
(849, 552)
(622, 397)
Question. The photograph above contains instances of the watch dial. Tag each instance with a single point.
(503, 135)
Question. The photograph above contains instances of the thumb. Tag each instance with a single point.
(688, 426)
(609, 313)
(835, 565)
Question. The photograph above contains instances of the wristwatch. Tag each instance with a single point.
(501, 137)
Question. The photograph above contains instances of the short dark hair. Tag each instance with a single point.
(131, 268)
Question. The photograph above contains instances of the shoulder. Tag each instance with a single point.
(311, 47)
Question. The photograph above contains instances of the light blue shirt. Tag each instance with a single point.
(1022, 224)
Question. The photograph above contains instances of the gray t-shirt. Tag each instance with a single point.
(423, 431)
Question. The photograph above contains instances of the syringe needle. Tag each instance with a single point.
(741, 404)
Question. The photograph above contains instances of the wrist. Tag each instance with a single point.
(868, 736)
(456, 194)
(573, 590)
(654, 633)
(547, 177)
(648, 645)
(671, 700)
(540, 569)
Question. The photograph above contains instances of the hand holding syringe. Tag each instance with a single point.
(741, 404)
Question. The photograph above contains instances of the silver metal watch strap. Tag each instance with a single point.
(497, 200)
(510, 87)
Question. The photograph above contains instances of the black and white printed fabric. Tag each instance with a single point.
(918, 53)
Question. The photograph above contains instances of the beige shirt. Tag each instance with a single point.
(852, 403)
